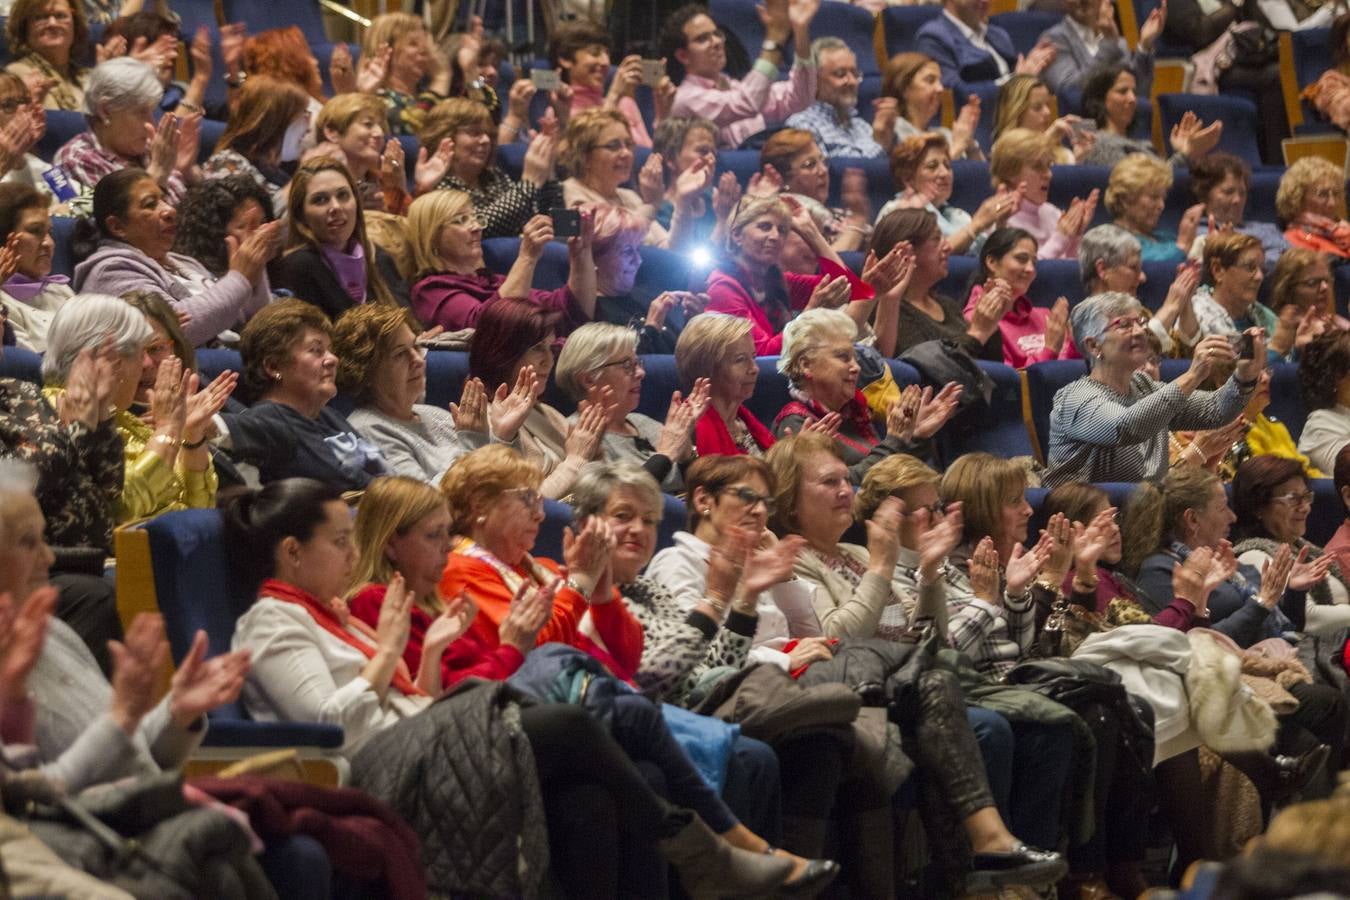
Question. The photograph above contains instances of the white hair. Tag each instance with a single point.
(1109, 244)
(121, 83)
(808, 333)
(587, 349)
(822, 45)
(84, 323)
(1091, 316)
(600, 479)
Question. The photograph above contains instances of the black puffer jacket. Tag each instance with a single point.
(462, 774)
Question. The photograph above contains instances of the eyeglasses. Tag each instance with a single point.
(617, 145)
(629, 365)
(61, 17)
(529, 496)
(1250, 266)
(749, 496)
(1125, 323)
(1316, 282)
(1304, 499)
(810, 165)
(466, 220)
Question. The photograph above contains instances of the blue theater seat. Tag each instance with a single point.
(1025, 28)
(212, 361)
(62, 125)
(1069, 182)
(1043, 380)
(659, 382)
(1328, 511)
(511, 158)
(970, 184)
(741, 163)
(1286, 400)
(853, 26)
(959, 270)
(900, 26)
(1055, 278)
(1241, 122)
(1003, 433)
(447, 370)
(551, 273)
(21, 364)
(63, 256)
(1118, 491)
(1158, 277)
(740, 21)
(880, 185)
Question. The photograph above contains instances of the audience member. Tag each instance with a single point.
(1110, 100)
(599, 364)
(329, 260)
(218, 213)
(1031, 334)
(1220, 182)
(384, 372)
(791, 157)
(513, 347)
(31, 294)
(618, 234)
(682, 143)
(1087, 39)
(269, 119)
(1338, 548)
(1135, 197)
(1226, 302)
(833, 119)
(1300, 298)
(356, 125)
(695, 50)
(26, 123)
(47, 39)
(721, 348)
(453, 287)
(1110, 259)
(1112, 424)
(1020, 164)
(503, 204)
(135, 225)
(289, 430)
(1310, 202)
(120, 100)
(157, 33)
(1024, 102)
(969, 50)
(1324, 387)
(581, 50)
(413, 78)
(913, 82)
(284, 54)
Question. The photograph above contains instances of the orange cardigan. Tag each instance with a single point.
(620, 633)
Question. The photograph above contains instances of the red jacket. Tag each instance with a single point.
(727, 294)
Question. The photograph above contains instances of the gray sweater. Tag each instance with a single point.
(77, 740)
(421, 449)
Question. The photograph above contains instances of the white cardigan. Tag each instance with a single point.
(301, 673)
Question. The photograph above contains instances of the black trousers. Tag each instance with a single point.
(88, 604)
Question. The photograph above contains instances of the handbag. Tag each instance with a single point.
(942, 361)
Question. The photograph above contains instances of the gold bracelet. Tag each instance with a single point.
(171, 441)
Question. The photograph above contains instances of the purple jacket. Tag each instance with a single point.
(219, 304)
(456, 301)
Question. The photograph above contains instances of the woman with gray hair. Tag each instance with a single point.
(822, 367)
(120, 100)
(1112, 424)
(599, 363)
(167, 463)
(1110, 259)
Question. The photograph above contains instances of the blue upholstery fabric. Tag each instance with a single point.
(1158, 277)
(500, 253)
(63, 256)
(25, 365)
(1328, 511)
(447, 370)
(853, 26)
(1068, 182)
(902, 24)
(1043, 379)
(1025, 28)
(511, 159)
(62, 125)
(1056, 278)
(211, 362)
(880, 186)
(970, 183)
(195, 589)
(1004, 433)
(743, 163)
(1286, 401)
(959, 270)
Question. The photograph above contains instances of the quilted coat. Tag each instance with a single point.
(461, 773)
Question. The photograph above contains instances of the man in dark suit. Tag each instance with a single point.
(1087, 38)
(968, 49)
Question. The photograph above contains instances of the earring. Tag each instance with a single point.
(276, 377)
(480, 520)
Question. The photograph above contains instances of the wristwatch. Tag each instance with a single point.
(770, 46)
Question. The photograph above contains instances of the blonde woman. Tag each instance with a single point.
(1310, 202)
(412, 76)
(1025, 101)
(1135, 197)
(452, 286)
(1020, 162)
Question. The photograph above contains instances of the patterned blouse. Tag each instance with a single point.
(87, 162)
(79, 470)
(67, 90)
(504, 205)
(232, 162)
(679, 648)
(894, 622)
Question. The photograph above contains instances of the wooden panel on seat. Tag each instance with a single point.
(948, 114)
(1170, 76)
(1028, 420)
(136, 587)
(1333, 148)
(1129, 23)
(1293, 107)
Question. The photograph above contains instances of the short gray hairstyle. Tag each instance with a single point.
(600, 479)
(587, 349)
(83, 323)
(121, 83)
(1090, 317)
(1109, 244)
(808, 333)
(822, 45)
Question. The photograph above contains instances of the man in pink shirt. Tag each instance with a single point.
(744, 108)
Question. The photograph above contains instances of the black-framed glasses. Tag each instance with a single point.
(629, 365)
(750, 496)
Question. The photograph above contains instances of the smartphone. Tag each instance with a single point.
(545, 79)
(566, 222)
(1242, 345)
(653, 70)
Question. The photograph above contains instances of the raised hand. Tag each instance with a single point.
(1034, 63)
(519, 97)
(963, 129)
(541, 158)
(341, 71)
(1189, 227)
(936, 410)
(659, 308)
(168, 399)
(449, 626)
(1057, 326)
(583, 438)
(510, 407)
(23, 631)
(692, 182)
(200, 684)
(392, 176)
(1190, 579)
(902, 414)
(374, 70)
(651, 182)
(1275, 576)
(983, 571)
(530, 608)
(764, 183)
(200, 51)
(112, 48)
(432, 169)
(993, 305)
(627, 76)
(203, 404)
(1091, 540)
(395, 621)
(535, 236)
(470, 413)
(137, 661)
(163, 147)
(831, 292)
(726, 564)
(938, 536)
(663, 97)
(586, 552)
(1061, 556)
(188, 145)
(771, 564)
(1193, 140)
(1024, 566)
(827, 424)
(250, 256)
(725, 196)
(995, 210)
(676, 440)
(1304, 575)
(883, 536)
(885, 113)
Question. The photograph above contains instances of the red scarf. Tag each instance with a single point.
(855, 413)
(289, 593)
(711, 435)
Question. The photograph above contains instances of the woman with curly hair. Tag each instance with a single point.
(230, 206)
(1310, 201)
(1324, 383)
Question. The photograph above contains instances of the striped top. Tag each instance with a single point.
(1097, 434)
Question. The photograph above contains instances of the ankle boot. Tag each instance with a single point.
(711, 869)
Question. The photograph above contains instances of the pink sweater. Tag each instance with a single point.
(1041, 223)
(590, 98)
(1023, 330)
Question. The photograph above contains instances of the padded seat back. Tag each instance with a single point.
(1241, 122)
(852, 25)
(447, 370)
(21, 364)
(1286, 400)
(1003, 433)
(63, 255)
(1025, 28)
(1068, 182)
(62, 125)
(212, 361)
(500, 253)
(1328, 511)
(1118, 491)
(970, 184)
(1056, 278)
(771, 391)
(900, 26)
(1043, 380)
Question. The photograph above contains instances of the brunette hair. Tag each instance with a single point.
(781, 146)
(257, 521)
(1325, 364)
(361, 339)
(908, 155)
(786, 459)
(1155, 515)
(301, 235)
(918, 226)
(205, 213)
(504, 331)
(1254, 487)
(283, 53)
(16, 30)
(270, 336)
(260, 115)
(1209, 171)
(153, 306)
(984, 484)
(1098, 85)
(15, 200)
(714, 473)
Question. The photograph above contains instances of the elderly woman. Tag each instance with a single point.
(217, 213)
(614, 246)
(792, 157)
(31, 294)
(1110, 258)
(453, 287)
(289, 431)
(914, 82)
(598, 152)
(924, 315)
(1310, 201)
(1112, 424)
(504, 205)
(329, 260)
(357, 125)
(297, 535)
(415, 77)
(1135, 197)
(1221, 182)
(721, 349)
(512, 353)
(922, 169)
(600, 362)
(1024, 101)
(1020, 164)
(135, 225)
(1031, 334)
(751, 283)
(269, 118)
(47, 38)
(119, 104)
(383, 370)
(1301, 300)
(1226, 304)
(1324, 386)
(168, 465)
(1109, 99)
(822, 368)
(27, 123)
